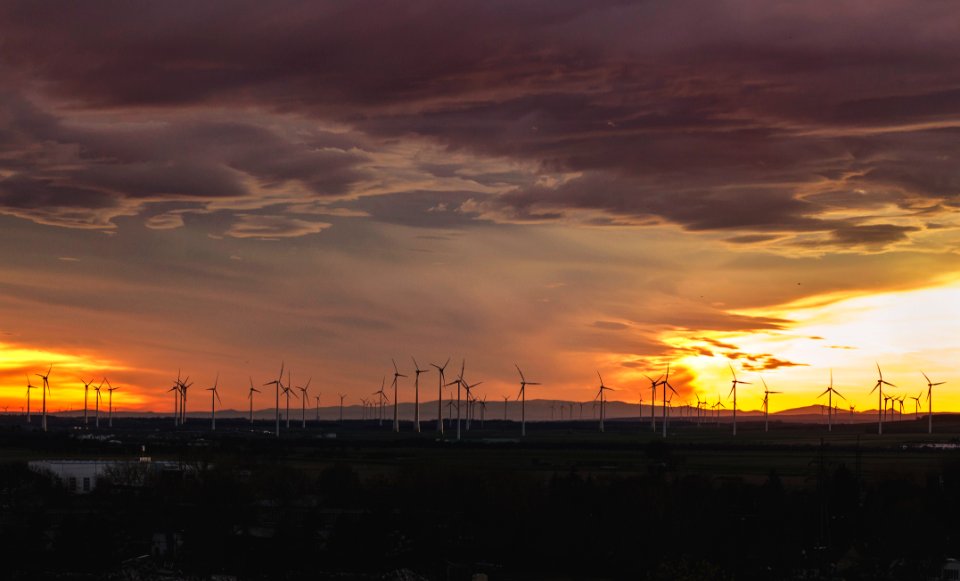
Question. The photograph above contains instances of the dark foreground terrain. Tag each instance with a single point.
(566, 503)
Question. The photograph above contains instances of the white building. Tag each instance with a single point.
(80, 476)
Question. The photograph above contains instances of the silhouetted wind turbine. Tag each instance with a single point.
(602, 399)
(416, 394)
(483, 409)
(342, 397)
(381, 396)
(97, 399)
(829, 393)
(733, 390)
(440, 370)
(176, 402)
(29, 387)
(250, 393)
(930, 385)
(44, 390)
(110, 390)
(506, 398)
(522, 396)
(469, 387)
(214, 398)
(184, 386)
(879, 387)
(396, 399)
(766, 403)
(665, 384)
(287, 390)
(459, 382)
(653, 401)
(303, 403)
(277, 383)
(86, 392)
(317, 397)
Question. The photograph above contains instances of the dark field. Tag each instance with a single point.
(565, 503)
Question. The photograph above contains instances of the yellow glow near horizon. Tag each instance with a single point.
(905, 331)
(18, 362)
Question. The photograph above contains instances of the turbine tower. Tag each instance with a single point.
(86, 392)
(459, 382)
(110, 390)
(342, 396)
(381, 396)
(45, 389)
(653, 401)
(878, 387)
(214, 398)
(506, 398)
(97, 399)
(733, 391)
(665, 384)
(930, 385)
(317, 397)
(440, 370)
(829, 393)
(396, 399)
(603, 400)
(250, 393)
(416, 394)
(522, 396)
(277, 383)
(29, 387)
(766, 403)
(303, 403)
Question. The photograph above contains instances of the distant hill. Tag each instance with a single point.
(537, 410)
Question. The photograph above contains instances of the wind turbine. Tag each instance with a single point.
(829, 393)
(930, 385)
(381, 396)
(416, 394)
(766, 402)
(342, 396)
(653, 401)
(522, 396)
(44, 390)
(250, 393)
(176, 402)
(303, 403)
(97, 399)
(86, 391)
(396, 400)
(483, 409)
(459, 382)
(440, 370)
(469, 387)
(287, 389)
(600, 395)
(277, 383)
(317, 397)
(214, 398)
(665, 384)
(184, 386)
(733, 391)
(879, 388)
(110, 390)
(29, 387)
(506, 398)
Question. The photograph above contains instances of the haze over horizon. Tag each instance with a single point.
(571, 186)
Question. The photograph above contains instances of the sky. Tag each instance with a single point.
(612, 186)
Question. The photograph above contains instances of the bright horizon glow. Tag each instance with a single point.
(905, 331)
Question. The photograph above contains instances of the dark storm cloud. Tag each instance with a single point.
(86, 174)
(746, 116)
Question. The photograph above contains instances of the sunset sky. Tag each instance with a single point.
(573, 186)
